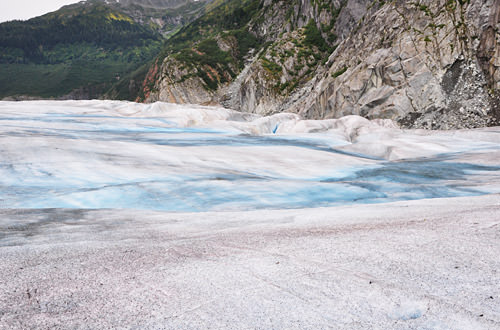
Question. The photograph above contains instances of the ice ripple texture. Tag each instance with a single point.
(109, 154)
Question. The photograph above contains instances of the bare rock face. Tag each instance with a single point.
(425, 64)
(424, 70)
(172, 88)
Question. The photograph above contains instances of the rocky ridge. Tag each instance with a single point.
(424, 64)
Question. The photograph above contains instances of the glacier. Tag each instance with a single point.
(109, 154)
(159, 216)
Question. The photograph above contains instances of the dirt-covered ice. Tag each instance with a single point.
(427, 264)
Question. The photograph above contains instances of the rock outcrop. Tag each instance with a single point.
(425, 63)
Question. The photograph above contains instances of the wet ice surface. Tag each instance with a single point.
(188, 158)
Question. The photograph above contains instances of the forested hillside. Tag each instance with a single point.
(214, 46)
(86, 50)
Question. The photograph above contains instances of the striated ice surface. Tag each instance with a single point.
(109, 154)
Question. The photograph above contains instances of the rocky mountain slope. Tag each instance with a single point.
(430, 64)
(166, 16)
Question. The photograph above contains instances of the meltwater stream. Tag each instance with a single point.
(81, 155)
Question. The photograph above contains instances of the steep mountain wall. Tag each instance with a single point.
(434, 66)
(292, 38)
(430, 64)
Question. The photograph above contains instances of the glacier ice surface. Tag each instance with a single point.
(111, 154)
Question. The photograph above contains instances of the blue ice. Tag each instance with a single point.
(31, 185)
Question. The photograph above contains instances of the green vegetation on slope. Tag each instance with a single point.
(304, 49)
(229, 26)
(87, 45)
(196, 47)
(94, 24)
(314, 37)
(165, 20)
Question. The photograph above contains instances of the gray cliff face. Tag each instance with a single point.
(422, 70)
(425, 64)
(173, 90)
(258, 92)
